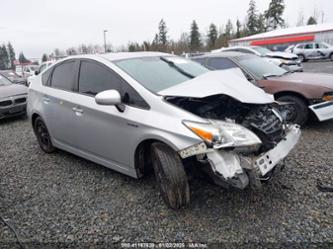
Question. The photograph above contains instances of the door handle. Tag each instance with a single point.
(78, 111)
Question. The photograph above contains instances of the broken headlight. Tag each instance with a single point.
(221, 134)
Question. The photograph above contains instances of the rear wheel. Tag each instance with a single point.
(296, 112)
(170, 175)
(43, 136)
(331, 57)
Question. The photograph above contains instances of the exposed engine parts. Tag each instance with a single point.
(263, 120)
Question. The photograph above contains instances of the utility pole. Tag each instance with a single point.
(105, 31)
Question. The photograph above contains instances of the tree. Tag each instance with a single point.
(4, 58)
(252, 18)
(238, 29)
(163, 33)
(22, 58)
(300, 19)
(229, 29)
(11, 54)
(44, 58)
(212, 36)
(261, 25)
(312, 20)
(195, 42)
(274, 14)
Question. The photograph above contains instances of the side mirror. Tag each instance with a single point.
(109, 97)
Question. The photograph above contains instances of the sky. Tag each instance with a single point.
(39, 26)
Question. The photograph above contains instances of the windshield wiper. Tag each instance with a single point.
(179, 69)
(266, 76)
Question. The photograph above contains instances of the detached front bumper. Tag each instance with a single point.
(323, 111)
(230, 166)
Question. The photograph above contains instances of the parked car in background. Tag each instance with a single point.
(308, 92)
(44, 66)
(13, 98)
(134, 111)
(288, 61)
(26, 71)
(13, 77)
(313, 51)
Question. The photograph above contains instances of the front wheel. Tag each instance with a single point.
(170, 175)
(296, 112)
(331, 57)
(302, 58)
(43, 136)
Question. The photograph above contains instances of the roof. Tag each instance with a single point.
(131, 55)
(309, 29)
(223, 54)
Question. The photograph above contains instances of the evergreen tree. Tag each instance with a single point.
(274, 14)
(4, 57)
(11, 54)
(312, 20)
(229, 29)
(163, 33)
(238, 29)
(44, 58)
(22, 58)
(261, 24)
(195, 42)
(252, 18)
(212, 36)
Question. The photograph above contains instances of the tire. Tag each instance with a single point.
(331, 56)
(302, 58)
(170, 175)
(298, 113)
(43, 136)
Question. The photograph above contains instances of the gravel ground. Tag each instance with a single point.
(62, 198)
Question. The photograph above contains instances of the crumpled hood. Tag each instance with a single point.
(282, 55)
(12, 90)
(228, 82)
(314, 79)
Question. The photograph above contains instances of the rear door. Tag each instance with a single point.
(58, 101)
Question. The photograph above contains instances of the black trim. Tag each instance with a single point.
(323, 105)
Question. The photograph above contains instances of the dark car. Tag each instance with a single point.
(13, 77)
(303, 92)
(13, 98)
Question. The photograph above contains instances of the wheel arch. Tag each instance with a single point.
(142, 155)
(292, 93)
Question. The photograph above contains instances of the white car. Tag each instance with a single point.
(313, 51)
(288, 61)
(44, 66)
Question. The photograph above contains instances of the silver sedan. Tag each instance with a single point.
(137, 112)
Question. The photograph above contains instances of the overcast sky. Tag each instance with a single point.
(39, 26)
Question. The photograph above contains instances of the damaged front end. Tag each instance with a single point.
(243, 144)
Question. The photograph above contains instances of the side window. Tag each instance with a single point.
(308, 46)
(221, 63)
(200, 60)
(46, 77)
(63, 76)
(321, 45)
(316, 45)
(95, 78)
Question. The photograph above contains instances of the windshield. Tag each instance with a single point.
(159, 73)
(4, 81)
(261, 50)
(261, 68)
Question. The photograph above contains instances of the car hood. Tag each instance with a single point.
(282, 55)
(314, 79)
(12, 90)
(227, 82)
